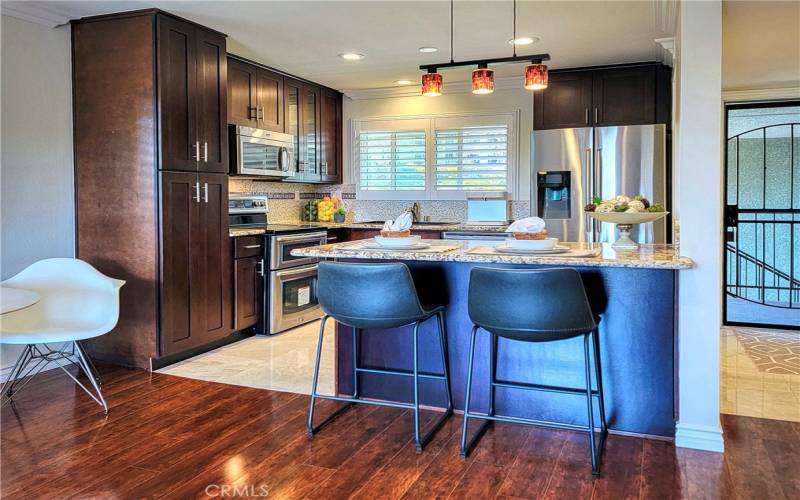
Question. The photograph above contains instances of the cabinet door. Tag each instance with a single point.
(565, 103)
(179, 211)
(291, 100)
(248, 286)
(309, 126)
(330, 137)
(212, 309)
(625, 96)
(177, 83)
(270, 100)
(242, 93)
(212, 102)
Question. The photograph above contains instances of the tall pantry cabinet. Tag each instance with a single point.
(151, 156)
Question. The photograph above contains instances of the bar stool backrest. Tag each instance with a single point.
(368, 295)
(533, 305)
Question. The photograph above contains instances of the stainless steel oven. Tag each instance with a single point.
(292, 298)
(261, 153)
(281, 247)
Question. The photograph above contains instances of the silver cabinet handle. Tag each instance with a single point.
(252, 246)
(260, 269)
(596, 116)
(259, 112)
(196, 197)
(205, 152)
(250, 110)
(205, 188)
(586, 115)
(197, 150)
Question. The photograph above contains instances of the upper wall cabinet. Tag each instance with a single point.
(192, 86)
(630, 95)
(255, 96)
(311, 113)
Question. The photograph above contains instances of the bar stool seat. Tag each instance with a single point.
(377, 296)
(538, 305)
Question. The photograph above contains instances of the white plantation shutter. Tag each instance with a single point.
(392, 160)
(472, 158)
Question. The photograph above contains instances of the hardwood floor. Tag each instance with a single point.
(170, 437)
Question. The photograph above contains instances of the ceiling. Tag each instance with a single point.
(760, 45)
(305, 38)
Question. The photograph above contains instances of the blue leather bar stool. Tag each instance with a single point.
(534, 306)
(379, 296)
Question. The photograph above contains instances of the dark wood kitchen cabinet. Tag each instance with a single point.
(248, 281)
(255, 96)
(638, 94)
(196, 269)
(150, 93)
(302, 105)
(330, 140)
(565, 103)
(192, 88)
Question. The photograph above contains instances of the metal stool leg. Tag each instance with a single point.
(356, 352)
(469, 391)
(598, 376)
(445, 361)
(590, 407)
(467, 445)
(492, 371)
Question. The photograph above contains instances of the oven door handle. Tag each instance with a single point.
(300, 272)
(311, 237)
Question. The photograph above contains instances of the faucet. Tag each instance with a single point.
(415, 212)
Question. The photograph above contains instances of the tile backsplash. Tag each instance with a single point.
(286, 202)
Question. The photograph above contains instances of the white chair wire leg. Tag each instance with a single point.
(35, 357)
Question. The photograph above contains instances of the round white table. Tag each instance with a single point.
(14, 299)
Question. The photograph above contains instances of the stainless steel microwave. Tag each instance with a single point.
(261, 153)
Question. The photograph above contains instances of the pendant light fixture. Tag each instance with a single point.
(432, 81)
(483, 78)
(536, 77)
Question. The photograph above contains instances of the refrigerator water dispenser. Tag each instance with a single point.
(553, 194)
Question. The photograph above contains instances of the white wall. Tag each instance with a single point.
(36, 173)
(699, 200)
(453, 102)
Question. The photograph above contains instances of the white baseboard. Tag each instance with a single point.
(699, 437)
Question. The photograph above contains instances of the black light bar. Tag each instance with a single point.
(534, 59)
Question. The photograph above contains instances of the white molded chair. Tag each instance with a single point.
(78, 302)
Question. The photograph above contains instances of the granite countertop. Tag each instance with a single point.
(374, 226)
(646, 257)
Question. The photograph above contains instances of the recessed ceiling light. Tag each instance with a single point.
(403, 82)
(426, 50)
(351, 56)
(524, 40)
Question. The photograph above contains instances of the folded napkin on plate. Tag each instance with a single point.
(401, 223)
(527, 225)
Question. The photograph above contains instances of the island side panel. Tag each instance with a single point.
(637, 346)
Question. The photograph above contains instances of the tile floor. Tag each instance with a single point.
(282, 362)
(760, 373)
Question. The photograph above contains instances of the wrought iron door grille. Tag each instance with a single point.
(762, 219)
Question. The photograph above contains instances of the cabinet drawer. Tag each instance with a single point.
(248, 246)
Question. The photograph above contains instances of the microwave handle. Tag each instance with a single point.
(284, 159)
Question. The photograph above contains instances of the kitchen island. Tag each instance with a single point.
(633, 293)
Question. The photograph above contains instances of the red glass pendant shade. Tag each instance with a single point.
(483, 81)
(536, 77)
(432, 84)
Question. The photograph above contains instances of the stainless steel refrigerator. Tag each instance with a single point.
(570, 166)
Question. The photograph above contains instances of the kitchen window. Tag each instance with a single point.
(440, 158)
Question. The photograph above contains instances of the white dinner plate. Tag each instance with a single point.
(414, 246)
(555, 250)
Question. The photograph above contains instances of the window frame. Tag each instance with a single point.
(429, 124)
